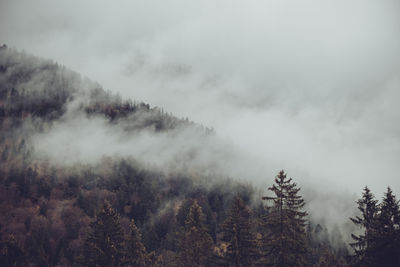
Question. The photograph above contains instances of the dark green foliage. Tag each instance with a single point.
(380, 243)
(241, 250)
(11, 254)
(386, 240)
(196, 243)
(206, 209)
(362, 244)
(285, 237)
(320, 250)
(135, 255)
(47, 208)
(329, 259)
(104, 243)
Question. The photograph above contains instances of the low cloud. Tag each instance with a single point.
(308, 86)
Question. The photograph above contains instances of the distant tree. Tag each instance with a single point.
(321, 252)
(285, 223)
(136, 255)
(362, 244)
(329, 259)
(196, 243)
(105, 241)
(156, 261)
(11, 253)
(241, 250)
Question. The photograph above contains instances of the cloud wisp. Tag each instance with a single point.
(308, 86)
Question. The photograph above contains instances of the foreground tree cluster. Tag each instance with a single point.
(379, 244)
(70, 227)
(282, 237)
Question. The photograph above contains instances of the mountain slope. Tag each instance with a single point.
(67, 145)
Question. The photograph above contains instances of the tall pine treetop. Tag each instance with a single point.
(368, 207)
(363, 243)
(241, 249)
(195, 242)
(196, 217)
(390, 213)
(285, 238)
(136, 254)
(104, 245)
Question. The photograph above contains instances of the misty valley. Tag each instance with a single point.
(88, 178)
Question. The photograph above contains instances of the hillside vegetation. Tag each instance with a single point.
(119, 211)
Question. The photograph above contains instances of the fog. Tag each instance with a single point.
(311, 87)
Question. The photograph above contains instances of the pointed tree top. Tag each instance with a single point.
(195, 217)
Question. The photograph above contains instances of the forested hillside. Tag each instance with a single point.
(118, 211)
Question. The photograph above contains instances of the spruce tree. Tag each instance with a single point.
(105, 242)
(241, 250)
(196, 243)
(156, 261)
(386, 246)
(285, 223)
(136, 255)
(363, 244)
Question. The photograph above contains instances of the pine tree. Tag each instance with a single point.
(11, 254)
(105, 241)
(196, 243)
(136, 255)
(329, 259)
(285, 223)
(386, 246)
(155, 261)
(363, 243)
(241, 249)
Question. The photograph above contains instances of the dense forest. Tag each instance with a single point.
(120, 212)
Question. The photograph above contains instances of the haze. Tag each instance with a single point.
(312, 87)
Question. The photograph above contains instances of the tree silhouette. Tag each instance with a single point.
(105, 241)
(196, 243)
(285, 237)
(362, 244)
(136, 254)
(241, 250)
(386, 243)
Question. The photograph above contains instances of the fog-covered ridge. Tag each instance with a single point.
(314, 82)
(307, 86)
(64, 119)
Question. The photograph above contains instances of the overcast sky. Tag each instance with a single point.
(309, 86)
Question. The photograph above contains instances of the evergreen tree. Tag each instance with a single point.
(156, 261)
(105, 241)
(11, 253)
(241, 249)
(196, 243)
(329, 259)
(285, 223)
(386, 246)
(363, 243)
(136, 255)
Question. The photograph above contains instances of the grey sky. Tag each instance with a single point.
(309, 86)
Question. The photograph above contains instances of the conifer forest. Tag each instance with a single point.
(199, 134)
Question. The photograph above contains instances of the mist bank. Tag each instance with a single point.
(71, 125)
(306, 86)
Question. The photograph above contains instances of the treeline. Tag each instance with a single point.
(118, 213)
(32, 88)
(46, 211)
(130, 217)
